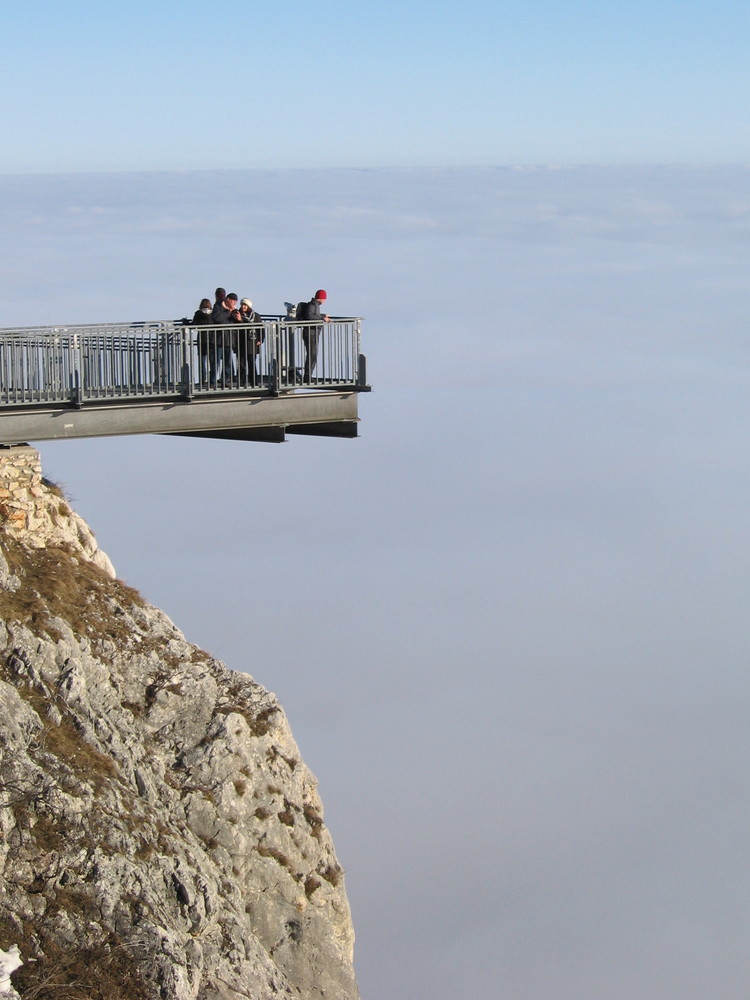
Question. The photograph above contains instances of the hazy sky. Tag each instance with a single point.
(185, 85)
(509, 623)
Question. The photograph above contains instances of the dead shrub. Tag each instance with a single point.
(95, 970)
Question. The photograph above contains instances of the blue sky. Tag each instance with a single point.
(142, 86)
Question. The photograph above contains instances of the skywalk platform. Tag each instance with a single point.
(245, 381)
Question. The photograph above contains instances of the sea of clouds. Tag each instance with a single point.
(510, 622)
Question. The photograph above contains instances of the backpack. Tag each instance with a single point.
(300, 311)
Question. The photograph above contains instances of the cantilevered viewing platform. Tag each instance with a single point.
(252, 382)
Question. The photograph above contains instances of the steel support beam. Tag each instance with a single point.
(291, 412)
(340, 428)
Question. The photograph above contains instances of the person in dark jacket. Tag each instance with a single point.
(223, 307)
(311, 334)
(248, 343)
(222, 316)
(202, 317)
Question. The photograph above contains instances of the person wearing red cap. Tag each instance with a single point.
(311, 334)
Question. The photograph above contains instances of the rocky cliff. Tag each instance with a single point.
(160, 835)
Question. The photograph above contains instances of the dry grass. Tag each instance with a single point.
(259, 724)
(54, 488)
(94, 970)
(65, 742)
(286, 815)
(314, 820)
(273, 753)
(332, 873)
(311, 884)
(55, 582)
(85, 761)
(273, 852)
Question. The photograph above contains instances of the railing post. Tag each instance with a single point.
(77, 399)
(75, 348)
(274, 368)
(186, 374)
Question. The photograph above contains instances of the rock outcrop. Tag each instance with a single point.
(160, 836)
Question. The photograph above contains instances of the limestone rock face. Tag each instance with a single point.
(160, 835)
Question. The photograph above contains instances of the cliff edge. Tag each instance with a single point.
(160, 836)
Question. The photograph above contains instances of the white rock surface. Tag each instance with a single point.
(161, 837)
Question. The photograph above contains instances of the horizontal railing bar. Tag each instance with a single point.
(155, 326)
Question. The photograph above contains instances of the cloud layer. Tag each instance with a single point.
(509, 623)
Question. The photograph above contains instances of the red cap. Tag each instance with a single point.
(321, 294)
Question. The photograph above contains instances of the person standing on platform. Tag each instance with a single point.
(222, 316)
(311, 334)
(202, 318)
(248, 347)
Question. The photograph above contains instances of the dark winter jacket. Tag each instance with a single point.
(309, 310)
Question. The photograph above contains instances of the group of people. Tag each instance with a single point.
(219, 349)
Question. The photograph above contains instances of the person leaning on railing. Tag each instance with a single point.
(311, 334)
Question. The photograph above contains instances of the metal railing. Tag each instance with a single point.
(125, 361)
